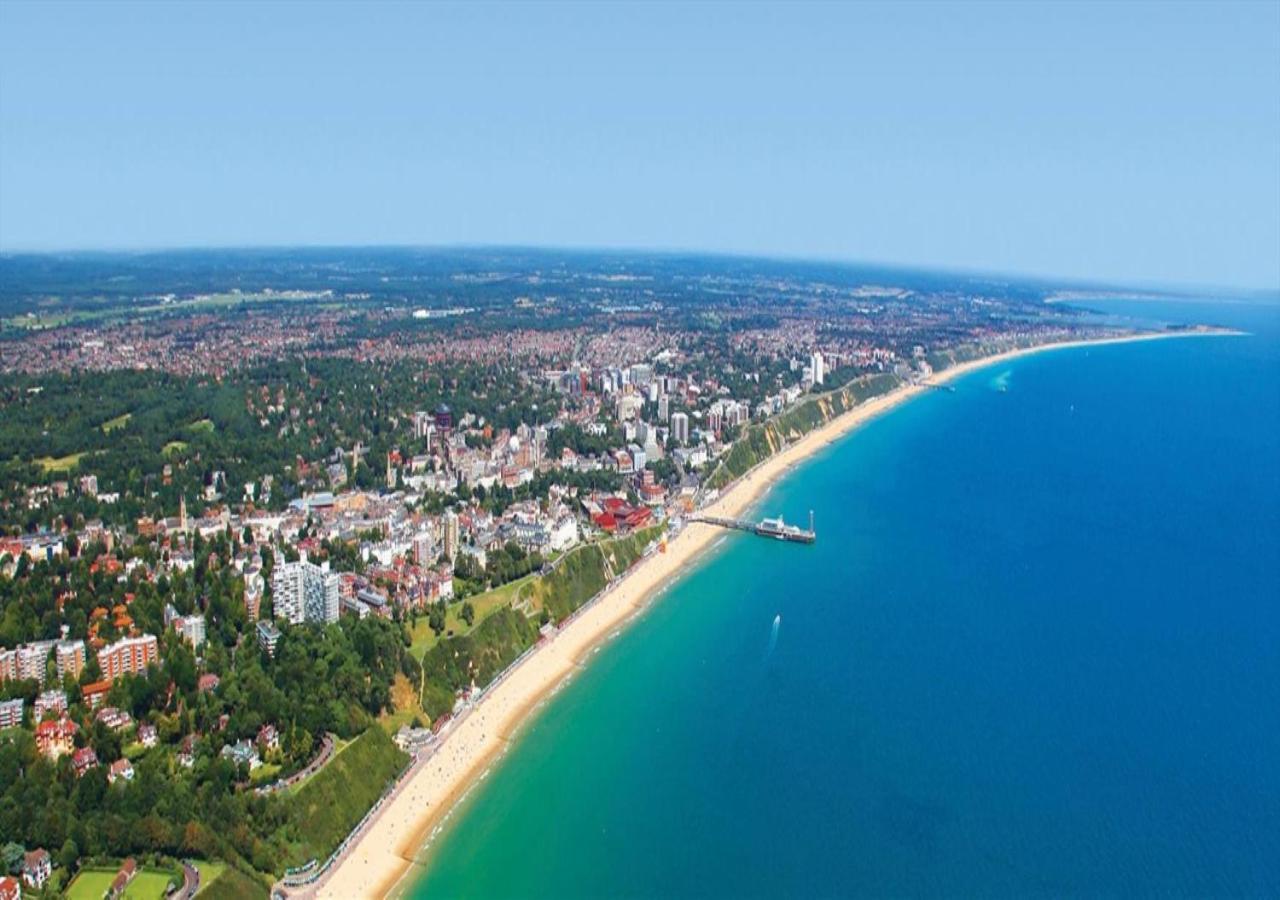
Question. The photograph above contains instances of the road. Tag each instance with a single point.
(190, 881)
(323, 757)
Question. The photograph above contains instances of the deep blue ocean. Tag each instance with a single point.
(1035, 651)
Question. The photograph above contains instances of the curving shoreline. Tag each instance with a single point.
(382, 854)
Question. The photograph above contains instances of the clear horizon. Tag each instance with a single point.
(1171, 290)
(1132, 145)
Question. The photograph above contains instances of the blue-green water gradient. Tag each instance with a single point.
(1035, 651)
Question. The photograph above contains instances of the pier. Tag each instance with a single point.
(949, 388)
(768, 528)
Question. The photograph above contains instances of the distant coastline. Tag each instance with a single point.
(381, 855)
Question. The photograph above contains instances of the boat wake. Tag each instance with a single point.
(773, 635)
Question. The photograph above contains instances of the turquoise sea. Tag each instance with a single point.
(1035, 651)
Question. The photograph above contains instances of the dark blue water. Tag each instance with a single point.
(1036, 650)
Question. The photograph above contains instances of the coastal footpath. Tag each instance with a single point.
(385, 848)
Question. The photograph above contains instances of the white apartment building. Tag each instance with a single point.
(680, 427)
(305, 592)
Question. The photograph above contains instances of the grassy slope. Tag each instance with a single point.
(477, 657)
(118, 422)
(60, 464)
(502, 635)
(423, 638)
(328, 806)
(210, 871)
(404, 699)
(230, 884)
(583, 573)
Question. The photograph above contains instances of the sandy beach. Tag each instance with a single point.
(383, 852)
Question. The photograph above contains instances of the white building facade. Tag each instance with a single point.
(305, 592)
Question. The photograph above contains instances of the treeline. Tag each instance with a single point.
(127, 427)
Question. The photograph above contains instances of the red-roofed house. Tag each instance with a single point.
(93, 693)
(123, 877)
(56, 737)
(121, 768)
(10, 889)
(83, 760)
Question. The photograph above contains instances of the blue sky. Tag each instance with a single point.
(1123, 142)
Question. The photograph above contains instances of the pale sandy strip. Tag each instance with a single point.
(383, 852)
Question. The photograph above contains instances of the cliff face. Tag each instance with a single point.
(761, 440)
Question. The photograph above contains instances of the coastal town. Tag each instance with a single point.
(542, 450)
(240, 585)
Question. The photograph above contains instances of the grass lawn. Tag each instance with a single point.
(264, 774)
(91, 884)
(174, 447)
(221, 301)
(61, 463)
(149, 884)
(201, 425)
(118, 422)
